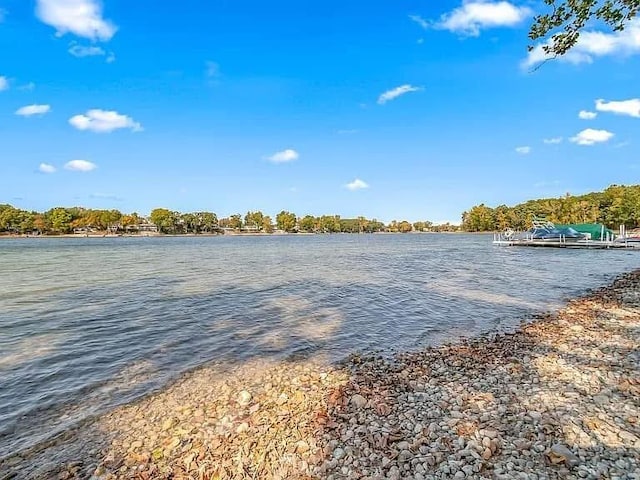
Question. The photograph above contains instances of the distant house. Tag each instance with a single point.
(83, 230)
(147, 227)
(144, 226)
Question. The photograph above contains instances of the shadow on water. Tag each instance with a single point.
(101, 347)
(568, 370)
(95, 357)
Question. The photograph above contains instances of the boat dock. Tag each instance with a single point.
(563, 243)
(579, 236)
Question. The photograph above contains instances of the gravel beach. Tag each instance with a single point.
(558, 398)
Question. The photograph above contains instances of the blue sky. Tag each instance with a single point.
(393, 110)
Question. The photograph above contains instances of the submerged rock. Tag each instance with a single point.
(548, 401)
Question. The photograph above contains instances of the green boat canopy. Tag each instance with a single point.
(596, 230)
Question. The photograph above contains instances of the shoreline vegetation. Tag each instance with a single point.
(556, 399)
(617, 205)
(228, 234)
(79, 221)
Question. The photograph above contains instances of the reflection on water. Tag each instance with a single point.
(86, 324)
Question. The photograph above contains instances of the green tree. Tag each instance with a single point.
(617, 205)
(622, 206)
(479, 219)
(254, 220)
(363, 224)
(111, 219)
(59, 219)
(267, 224)
(329, 223)
(27, 222)
(349, 225)
(375, 226)
(164, 219)
(422, 226)
(560, 28)
(190, 222)
(404, 227)
(235, 221)
(208, 221)
(308, 223)
(286, 221)
(10, 219)
(503, 219)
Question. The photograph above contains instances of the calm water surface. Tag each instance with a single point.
(87, 324)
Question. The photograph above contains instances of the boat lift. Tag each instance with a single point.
(510, 238)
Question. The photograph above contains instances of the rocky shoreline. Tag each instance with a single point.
(559, 398)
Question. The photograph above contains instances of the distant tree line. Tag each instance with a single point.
(615, 206)
(61, 220)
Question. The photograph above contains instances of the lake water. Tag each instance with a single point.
(87, 324)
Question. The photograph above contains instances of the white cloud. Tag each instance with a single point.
(288, 155)
(27, 87)
(80, 17)
(526, 150)
(593, 44)
(4, 83)
(86, 51)
(80, 166)
(552, 141)
(591, 137)
(357, 184)
(30, 110)
(46, 168)
(586, 115)
(474, 16)
(111, 57)
(396, 92)
(102, 121)
(629, 107)
(420, 21)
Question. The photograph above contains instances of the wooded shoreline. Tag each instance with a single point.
(233, 234)
(615, 206)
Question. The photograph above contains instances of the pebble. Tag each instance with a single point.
(358, 401)
(338, 453)
(559, 453)
(555, 399)
(244, 398)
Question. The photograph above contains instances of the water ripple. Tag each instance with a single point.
(87, 324)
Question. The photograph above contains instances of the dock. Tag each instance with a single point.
(583, 236)
(562, 242)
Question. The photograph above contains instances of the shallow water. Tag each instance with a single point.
(87, 324)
